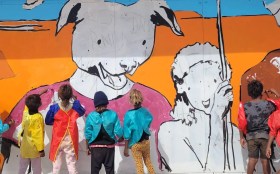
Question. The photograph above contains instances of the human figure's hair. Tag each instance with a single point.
(135, 97)
(33, 102)
(255, 89)
(65, 92)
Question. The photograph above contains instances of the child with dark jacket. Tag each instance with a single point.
(253, 116)
(102, 132)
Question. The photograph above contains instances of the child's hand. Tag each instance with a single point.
(11, 122)
(42, 153)
(88, 152)
(121, 139)
(125, 152)
(43, 91)
(74, 97)
(19, 141)
(243, 142)
(268, 152)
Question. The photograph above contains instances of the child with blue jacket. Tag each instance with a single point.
(136, 133)
(102, 132)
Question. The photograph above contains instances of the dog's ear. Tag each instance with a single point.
(68, 14)
(165, 16)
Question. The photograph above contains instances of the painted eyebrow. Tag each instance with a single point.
(202, 61)
(178, 79)
(185, 73)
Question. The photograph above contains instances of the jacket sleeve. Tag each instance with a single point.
(19, 136)
(38, 133)
(118, 130)
(274, 123)
(50, 114)
(242, 121)
(126, 127)
(88, 128)
(148, 118)
(3, 127)
(78, 108)
(275, 102)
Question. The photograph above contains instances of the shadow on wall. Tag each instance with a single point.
(6, 71)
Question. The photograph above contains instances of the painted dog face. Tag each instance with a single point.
(111, 39)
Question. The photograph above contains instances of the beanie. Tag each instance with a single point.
(100, 99)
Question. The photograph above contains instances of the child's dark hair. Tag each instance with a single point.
(65, 92)
(255, 89)
(33, 102)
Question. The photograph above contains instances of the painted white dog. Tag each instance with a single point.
(111, 40)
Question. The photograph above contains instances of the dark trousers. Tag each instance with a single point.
(102, 155)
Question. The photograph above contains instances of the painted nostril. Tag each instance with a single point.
(181, 81)
(123, 66)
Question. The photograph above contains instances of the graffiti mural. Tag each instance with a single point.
(188, 58)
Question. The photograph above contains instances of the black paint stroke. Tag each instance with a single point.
(192, 149)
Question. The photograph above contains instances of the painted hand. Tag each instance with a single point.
(223, 96)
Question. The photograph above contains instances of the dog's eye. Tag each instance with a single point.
(178, 80)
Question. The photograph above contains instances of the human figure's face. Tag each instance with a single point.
(199, 83)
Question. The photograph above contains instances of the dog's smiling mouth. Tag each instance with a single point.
(113, 80)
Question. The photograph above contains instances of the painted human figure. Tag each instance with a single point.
(202, 129)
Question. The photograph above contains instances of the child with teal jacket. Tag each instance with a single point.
(102, 131)
(136, 133)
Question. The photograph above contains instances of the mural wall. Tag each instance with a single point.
(191, 59)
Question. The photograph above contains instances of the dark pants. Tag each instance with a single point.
(102, 155)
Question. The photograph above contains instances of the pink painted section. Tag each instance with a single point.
(153, 101)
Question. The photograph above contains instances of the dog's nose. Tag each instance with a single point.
(128, 65)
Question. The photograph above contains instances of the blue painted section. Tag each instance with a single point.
(12, 9)
(229, 7)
